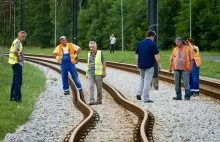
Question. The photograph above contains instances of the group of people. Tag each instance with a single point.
(185, 61)
(66, 54)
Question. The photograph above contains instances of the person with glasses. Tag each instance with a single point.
(95, 72)
(16, 59)
(66, 54)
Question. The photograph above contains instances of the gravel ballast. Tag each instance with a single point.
(54, 115)
(197, 120)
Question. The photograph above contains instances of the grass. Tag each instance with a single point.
(15, 114)
(208, 68)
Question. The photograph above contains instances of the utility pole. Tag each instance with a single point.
(55, 23)
(22, 15)
(153, 25)
(14, 14)
(4, 33)
(122, 26)
(74, 31)
(190, 26)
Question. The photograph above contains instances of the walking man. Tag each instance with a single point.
(194, 75)
(181, 61)
(112, 43)
(96, 71)
(66, 54)
(16, 59)
(146, 53)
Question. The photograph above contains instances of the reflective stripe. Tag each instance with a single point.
(194, 89)
(11, 58)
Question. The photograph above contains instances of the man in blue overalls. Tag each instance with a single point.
(66, 54)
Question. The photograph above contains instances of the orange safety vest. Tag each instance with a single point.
(72, 56)
(197, 58)
(188, 65)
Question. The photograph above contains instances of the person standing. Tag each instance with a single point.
(112, 43)
(96, 71)
(66, 54)
(146, 53)
(181, 61)
(16, 59)
(194, 75)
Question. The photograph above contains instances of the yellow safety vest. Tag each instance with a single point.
(12, 58)
(98, 64)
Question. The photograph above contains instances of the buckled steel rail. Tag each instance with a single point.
(91, 117)
(143, 130)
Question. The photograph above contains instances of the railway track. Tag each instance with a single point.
(143, 129)
(207, 87)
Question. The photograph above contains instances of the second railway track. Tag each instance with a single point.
(207, 87)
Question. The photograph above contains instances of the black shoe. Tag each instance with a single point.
(18, 101)
(66, 93)
(149, 101)
(175, 98)
(11, 99)
(138, 97)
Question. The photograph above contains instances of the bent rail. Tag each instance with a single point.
(144, 127)
(90, 116)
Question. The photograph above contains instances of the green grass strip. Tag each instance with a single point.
(14, 114)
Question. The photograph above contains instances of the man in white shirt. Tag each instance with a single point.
(112, 43)
(66, 54)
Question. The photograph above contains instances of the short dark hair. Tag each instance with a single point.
(150, 33)
(190, 40)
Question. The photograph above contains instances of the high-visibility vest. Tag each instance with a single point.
(197, 58)
(71, 51)
(12, 58)
(188, 64)
(98, 64)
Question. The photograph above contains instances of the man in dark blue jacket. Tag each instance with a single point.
(146, 52)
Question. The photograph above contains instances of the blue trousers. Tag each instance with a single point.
(16, 83)
(112, 47)
(68, 67)
(178, 75)
(194, 80)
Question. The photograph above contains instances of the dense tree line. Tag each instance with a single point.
(98, 19)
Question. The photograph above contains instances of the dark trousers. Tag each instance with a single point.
(194, 80)
(112, 46)
(16, 83)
